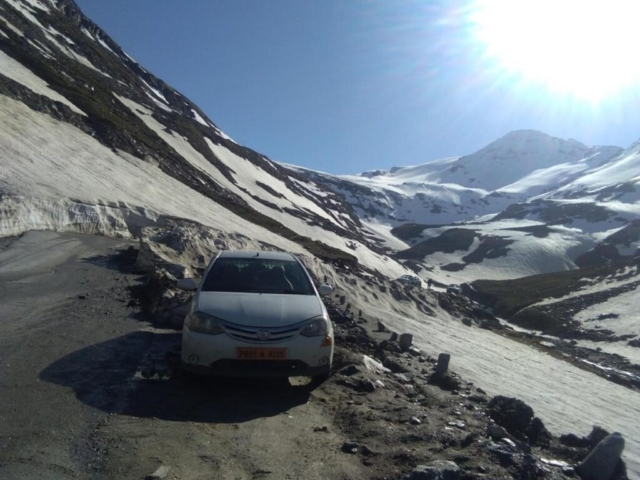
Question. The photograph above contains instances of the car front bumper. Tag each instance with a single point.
(217, 355)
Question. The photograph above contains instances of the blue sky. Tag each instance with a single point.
(348, 86)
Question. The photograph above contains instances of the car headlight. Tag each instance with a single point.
(316, 327)
(203, 323)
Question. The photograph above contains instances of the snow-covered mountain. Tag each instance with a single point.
(93, 142)
(526, 204)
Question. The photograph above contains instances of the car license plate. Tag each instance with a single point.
(262, 353)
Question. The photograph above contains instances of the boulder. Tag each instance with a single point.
(161, 473)
(393, 365)
(538, 433)
(350, 447)
(437, 470)
(512, 414)
(443, 363)
(445, 381)
(601, 462)
(507, 455)
(405, 341)
(349, 370)
(373, 365)
(497, 432)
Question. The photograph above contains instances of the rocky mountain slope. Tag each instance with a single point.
(93, 142)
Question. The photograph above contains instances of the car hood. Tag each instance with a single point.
(259, 310)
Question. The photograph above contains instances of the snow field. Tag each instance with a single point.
(59, 161)
(570, 400)
(17, 72)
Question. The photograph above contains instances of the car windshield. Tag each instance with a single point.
(257, 275)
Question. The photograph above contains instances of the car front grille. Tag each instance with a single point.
(261, 334)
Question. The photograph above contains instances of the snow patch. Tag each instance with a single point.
(11, 27)
(21, 74)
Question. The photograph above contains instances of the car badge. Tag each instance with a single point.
(263, 334)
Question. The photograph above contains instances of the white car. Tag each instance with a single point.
(257, 314)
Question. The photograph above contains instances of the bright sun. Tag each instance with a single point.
(584, 48)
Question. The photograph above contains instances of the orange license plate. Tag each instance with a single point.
(261, 353)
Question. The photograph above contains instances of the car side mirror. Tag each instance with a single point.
(188, 284)
(326, 290)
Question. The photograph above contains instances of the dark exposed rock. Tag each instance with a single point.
(538, 434)
(507, 455)
(349, 370)
(405, 341)
(350, 447)
(437, 470)
(393, 365)
(603, 459)
(573, 440)
(512, 414)
(443, 363)
(445, 381)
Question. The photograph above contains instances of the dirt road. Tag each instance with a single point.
(73, 403)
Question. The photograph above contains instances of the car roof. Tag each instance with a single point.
(255, 253)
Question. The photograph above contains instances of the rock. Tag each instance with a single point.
(443, 363)
(445, 381)
(601, 462)
(367, 386)
(530, 468)
(393, 337)
(572, 440)
(82, 297)
(524, 446)
(506, 454)
(373, 365)
(437, 470)
(496, 432)
(478, 398)
(538, 434)
(596, 435)
(161, 473)
(415, 421)
(414, 352)
(349, 370)
(468, 440)
(321, 429)
(350, 447)
(512, 414)
(381, 327)
(405, 341)
(467, 321)
(402, 378)
(367, 451)
(393, 365)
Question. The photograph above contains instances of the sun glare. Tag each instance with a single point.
(584, 48)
